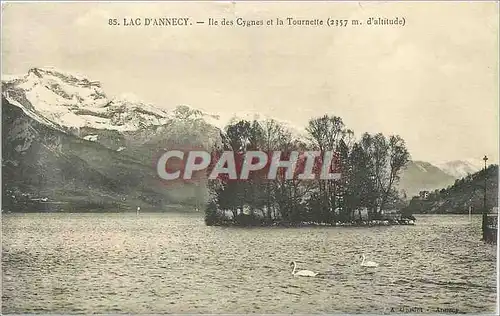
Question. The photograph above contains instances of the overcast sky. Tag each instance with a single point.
(434, 81)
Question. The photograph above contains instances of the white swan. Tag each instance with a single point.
(306, 273)
(368, 263)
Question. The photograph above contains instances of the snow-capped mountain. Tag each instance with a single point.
(296, 132)
(461, 168)
(66, 140)
(66, 100)
(63, 100)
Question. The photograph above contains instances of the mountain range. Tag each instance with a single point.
(466, 194)
(66, 142)
(461, 168)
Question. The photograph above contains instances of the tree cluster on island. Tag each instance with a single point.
(370, 168)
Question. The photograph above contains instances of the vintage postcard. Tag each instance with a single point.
(245, 157)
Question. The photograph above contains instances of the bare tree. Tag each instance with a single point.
(324, 134)
(386, 159)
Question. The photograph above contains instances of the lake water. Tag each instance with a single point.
(173, 263)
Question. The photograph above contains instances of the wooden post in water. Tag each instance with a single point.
(485, 217)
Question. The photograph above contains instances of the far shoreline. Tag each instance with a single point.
(178, 209)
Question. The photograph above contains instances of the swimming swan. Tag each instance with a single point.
(306, 273)
(368, 263)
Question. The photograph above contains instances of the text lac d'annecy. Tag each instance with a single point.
(181, 21)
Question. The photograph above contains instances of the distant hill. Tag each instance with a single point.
(456, 198)
(421, 175)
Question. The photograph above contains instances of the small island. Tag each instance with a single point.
(365, 194)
